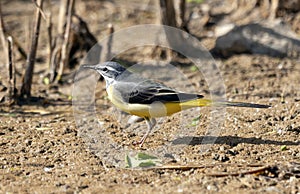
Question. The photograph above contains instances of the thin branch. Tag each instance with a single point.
(3, 32)
(58, 41)
(182, 10)
(40, 9)
(255, 171)
(11, 72)
(27, 81)
(195, 166)
(50, 42)
(17, 44)
(63, 8)
(110, 41)
(168, 15)
(65, 46)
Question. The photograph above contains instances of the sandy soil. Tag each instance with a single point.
(257, 150)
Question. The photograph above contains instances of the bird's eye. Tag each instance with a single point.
(105, 69)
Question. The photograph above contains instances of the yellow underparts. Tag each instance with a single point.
(157, 109)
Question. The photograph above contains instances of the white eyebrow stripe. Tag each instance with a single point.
(110, 68)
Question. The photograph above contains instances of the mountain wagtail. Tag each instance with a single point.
(149, 99)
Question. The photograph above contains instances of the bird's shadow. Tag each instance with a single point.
(229, 140)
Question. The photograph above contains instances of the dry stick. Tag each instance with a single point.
(27, 81)
(194, 166)
(50, 43)
(182, 8)
(28, 31)
(109, 42)
(19, 47)
(168, 17)
(63, 10)
(54, 59)
(256, 171)
(260, 170)
(10, 68)
(58, 41)
(49, 30)
(65, 46)
(2, 31)
(40, 9)
(11, 72)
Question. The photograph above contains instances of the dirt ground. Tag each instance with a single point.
(257, 151)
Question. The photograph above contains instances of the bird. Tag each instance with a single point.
(148, 98)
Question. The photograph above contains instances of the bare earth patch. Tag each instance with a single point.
(257, 150)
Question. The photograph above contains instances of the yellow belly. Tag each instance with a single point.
(156, 109)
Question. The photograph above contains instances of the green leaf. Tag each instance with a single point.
(46, 81)
(284, 147)
(143, 156)
(147, 164)
(194, 68)
(196, 121)
(195, 1)
(128, 162)
(141, 160)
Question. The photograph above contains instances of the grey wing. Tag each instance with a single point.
(147, 92)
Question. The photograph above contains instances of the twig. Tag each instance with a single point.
(11, 72)
(19, 47)
(40, 9)
(65, 46)
(58, 41)
(2, 32)
(27, 81)
(63, 9)
(182, 8)
(261, 170)
(110, 42)
(168, 15)
(192, 166)
(50, 43)
(256, 171)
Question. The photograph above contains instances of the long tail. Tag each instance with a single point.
(240, 104)
(206, 102)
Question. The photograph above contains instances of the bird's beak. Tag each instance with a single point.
(88, 66)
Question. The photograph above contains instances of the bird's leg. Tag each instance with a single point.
(150, 124)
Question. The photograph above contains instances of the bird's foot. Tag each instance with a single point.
(140, 143)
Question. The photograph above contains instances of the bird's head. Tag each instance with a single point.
(109, 70)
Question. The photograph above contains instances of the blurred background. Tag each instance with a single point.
(226, 28)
